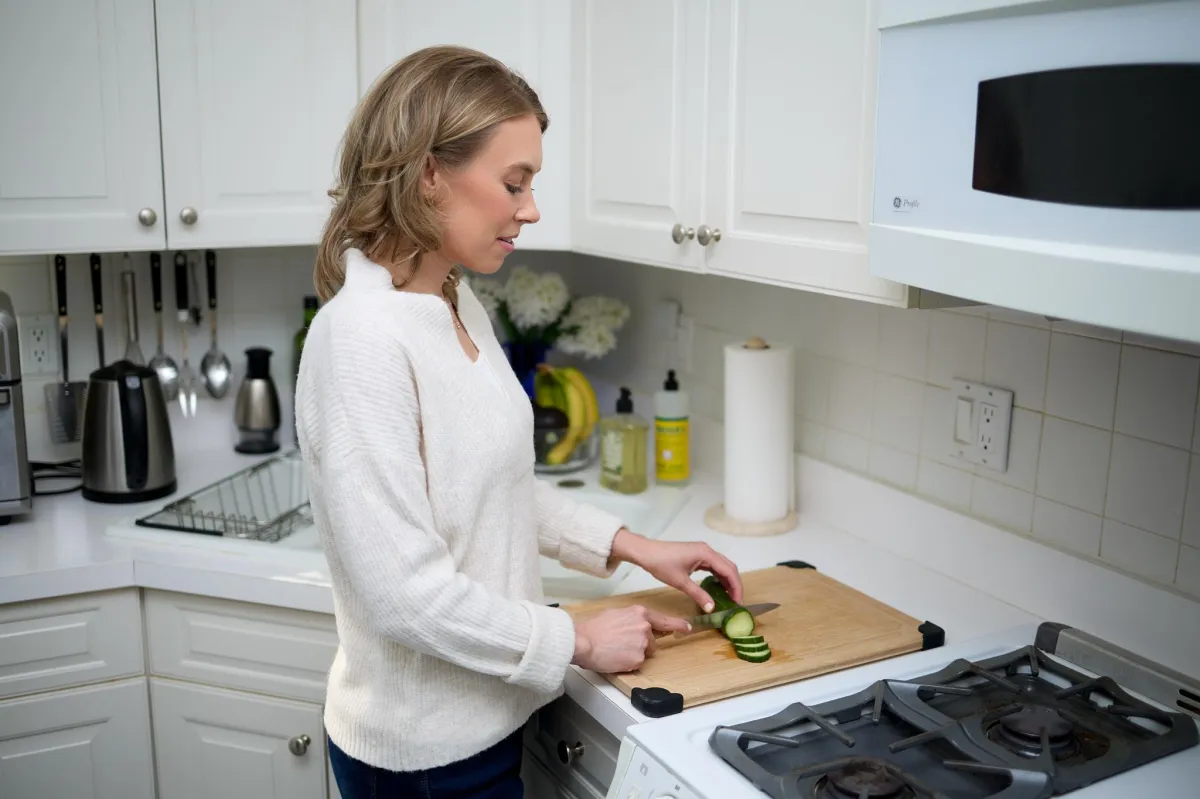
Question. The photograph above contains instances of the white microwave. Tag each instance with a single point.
(1043, 155)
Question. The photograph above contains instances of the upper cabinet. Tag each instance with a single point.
(529, 36)
(80, 164)
(254, 95)
(730, 137)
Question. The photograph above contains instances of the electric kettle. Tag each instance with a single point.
(127, 452)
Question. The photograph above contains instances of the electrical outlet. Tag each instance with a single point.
(39, 345)
(982, 421)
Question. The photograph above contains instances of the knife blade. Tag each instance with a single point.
(713, 621)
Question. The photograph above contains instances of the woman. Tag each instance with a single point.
(418, 441)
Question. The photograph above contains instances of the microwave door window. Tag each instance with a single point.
(1120, 136)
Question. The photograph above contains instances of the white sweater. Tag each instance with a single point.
(420, 467)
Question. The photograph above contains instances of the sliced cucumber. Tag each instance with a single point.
(754, 657)
(751, 647)
(748, 640)
(739, 624)
(719, 595)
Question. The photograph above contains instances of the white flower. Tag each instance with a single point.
(489, 293)
(605, 311)
(592, 340)
(534, 300)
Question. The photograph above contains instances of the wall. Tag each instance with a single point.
(1104, 429)
(260, 302)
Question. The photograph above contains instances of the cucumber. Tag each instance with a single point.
(718, 593)
(754, 657)
(750, 647)
(738, 624)
(748, 640)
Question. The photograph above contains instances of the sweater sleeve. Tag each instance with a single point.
(372, 482)
(576, 534)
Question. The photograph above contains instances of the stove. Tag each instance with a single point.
(1014, 716)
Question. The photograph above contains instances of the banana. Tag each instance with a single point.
(591, 406)
(547, 388)
(577, 413)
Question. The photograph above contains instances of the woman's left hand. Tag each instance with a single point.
(673, 562)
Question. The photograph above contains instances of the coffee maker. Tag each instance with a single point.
(16, 485)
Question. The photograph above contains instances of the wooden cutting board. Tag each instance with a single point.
(822, 625)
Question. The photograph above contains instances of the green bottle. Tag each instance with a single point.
(310, 311)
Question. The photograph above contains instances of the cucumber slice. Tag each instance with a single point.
(748, 640)
(754, 657)
(751, 647)
(739, 624)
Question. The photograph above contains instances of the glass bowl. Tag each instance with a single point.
(546, 439)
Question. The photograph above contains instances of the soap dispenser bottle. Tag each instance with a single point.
(672, 456)
(623, 454)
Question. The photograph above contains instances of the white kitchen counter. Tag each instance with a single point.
(925, 561)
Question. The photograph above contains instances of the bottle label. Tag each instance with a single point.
(671, 461)
(611, 450)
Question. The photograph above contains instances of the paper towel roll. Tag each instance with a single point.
(759, 440)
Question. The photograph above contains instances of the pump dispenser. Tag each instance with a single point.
(623, 439)
(672, 454)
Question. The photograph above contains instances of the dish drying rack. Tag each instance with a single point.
(265, 502)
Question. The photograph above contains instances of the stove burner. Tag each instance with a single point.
(864, 779)
(1021, 733)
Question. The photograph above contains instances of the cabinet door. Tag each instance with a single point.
(213, 742)
(92, 742)
(639, 74)
(256, 95)
(790, 122)
(529, 36)
(79, 146)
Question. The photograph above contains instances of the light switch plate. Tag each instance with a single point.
(981, 424)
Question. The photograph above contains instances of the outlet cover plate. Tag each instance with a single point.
(39, 345)
(982, 420)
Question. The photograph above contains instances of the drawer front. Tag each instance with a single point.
(66, 641)
(275, 651)
(576, 748)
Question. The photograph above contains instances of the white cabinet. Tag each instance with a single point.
(529, 36)
(92, 742)
(79, 146)
(254, 95)
(748, 124)
(638, 101)
(215, 742)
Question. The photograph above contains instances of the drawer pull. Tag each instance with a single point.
(568, 754)
(299, 745)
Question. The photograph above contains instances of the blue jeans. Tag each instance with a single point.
(494, 773)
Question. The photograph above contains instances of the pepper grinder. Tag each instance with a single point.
(256, 411)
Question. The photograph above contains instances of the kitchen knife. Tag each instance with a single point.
(713, 621)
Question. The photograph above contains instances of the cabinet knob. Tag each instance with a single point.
(705, 234)
(188, 216)
(299, 745)
(147, 217)
(679, 233)
(568, 754)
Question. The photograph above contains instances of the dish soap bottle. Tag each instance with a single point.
(623, 448)
(672, 457)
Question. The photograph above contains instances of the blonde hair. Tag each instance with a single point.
(441, 101)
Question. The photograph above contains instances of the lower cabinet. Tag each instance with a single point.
(81, 742)
(212, 742)
(540, 783)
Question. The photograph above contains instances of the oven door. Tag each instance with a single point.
(1046, 161)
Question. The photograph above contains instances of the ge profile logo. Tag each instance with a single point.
(905, 205)
(897, 202)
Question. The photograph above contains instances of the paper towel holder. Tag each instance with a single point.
(717, 518)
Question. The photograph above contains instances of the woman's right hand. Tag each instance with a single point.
(619, 640)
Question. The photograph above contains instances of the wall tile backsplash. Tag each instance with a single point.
(1105, 442)
(1104, 454)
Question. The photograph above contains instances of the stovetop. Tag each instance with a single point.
(1019, 725)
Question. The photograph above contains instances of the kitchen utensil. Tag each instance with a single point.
(64, 399)
(98, 303)
(187, 374)
(256, 413)
(821, 626)
(194, 309)
(133, 352)
(214, 366)
(163, 364)
(714, 621)
(15, 485)
(128, 454)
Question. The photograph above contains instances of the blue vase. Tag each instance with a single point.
(524, 356)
